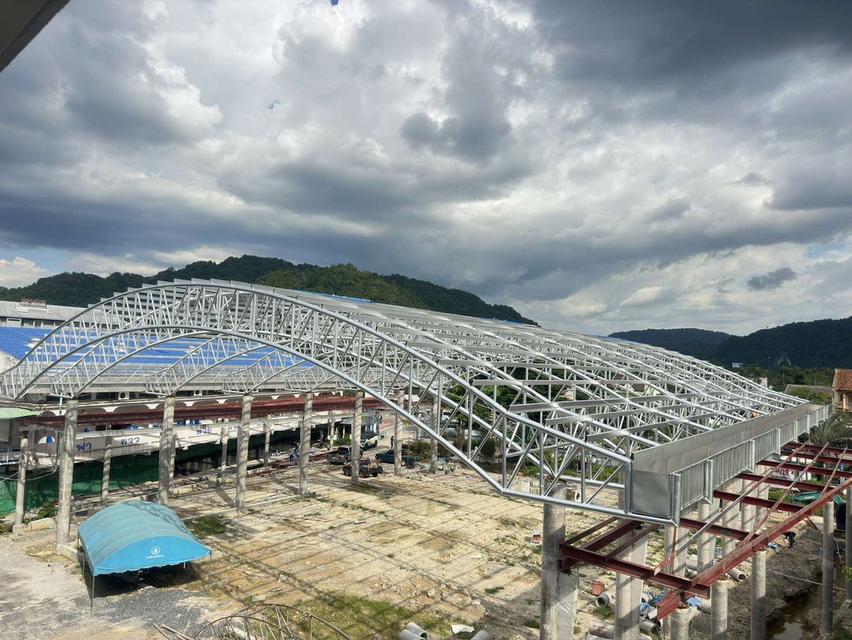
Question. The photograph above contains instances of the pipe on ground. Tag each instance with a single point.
(604, 600)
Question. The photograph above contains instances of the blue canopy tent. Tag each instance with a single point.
(130, 536)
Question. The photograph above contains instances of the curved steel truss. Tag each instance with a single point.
(558, 405)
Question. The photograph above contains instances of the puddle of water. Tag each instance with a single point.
(792, 626)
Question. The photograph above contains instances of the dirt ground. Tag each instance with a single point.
(435, 550)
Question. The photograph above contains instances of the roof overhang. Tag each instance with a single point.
(20, 22)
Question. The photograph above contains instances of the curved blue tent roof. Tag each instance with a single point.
(129, 536)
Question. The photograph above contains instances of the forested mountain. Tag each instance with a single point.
(820, 343)
(81, 289)
(700, 343)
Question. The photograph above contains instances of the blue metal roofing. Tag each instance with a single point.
(129, 536)
(17, 341)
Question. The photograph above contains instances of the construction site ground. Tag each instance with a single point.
(432, 549)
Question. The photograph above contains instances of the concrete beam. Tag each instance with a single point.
(107, 464)
(558, 589)
(356, 437)
(849, 541)
(305, 443)
(433, 448)
(397, 445)
(267, 439)
(828, 549)
(719, 609)
(242, 454)
(167, 450)
(21, 489)
(67, 449)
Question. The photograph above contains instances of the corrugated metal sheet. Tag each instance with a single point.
(7, 413)
(130, 536)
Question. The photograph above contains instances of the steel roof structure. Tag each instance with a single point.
(561, 405)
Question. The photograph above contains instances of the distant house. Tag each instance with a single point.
(842, 389)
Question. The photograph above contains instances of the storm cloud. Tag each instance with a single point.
(599, 167)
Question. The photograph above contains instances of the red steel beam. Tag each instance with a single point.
(600, 542)
(703, 580)
(757, 502)
(795, 466)
(810, 448)
(820, 458)
(575, 555)
(259, 408)
(713, 529)
(782, 482)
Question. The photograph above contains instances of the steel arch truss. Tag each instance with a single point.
(557, 405)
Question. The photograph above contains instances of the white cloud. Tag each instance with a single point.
(19, 271)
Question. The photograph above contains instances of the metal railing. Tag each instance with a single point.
(699, 480)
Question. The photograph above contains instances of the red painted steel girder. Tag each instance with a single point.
(706, 578)
(806, 450)
(782, 482)
(575, 555)
(607, 538)
(259, 408)
(757, 502)
(795, 466)
(820, 458)
(713, 529)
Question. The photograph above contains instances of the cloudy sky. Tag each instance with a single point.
(599, 165)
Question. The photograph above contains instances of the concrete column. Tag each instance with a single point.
(305, 443)
(628, 595)
(747, 511)
(167, 450)
(397, 445)
(67, 449)
(267, 438)
(719, 609)
(433, 449)
(223, 459)
(680, 623)
(106, 470)
(332, 429)
(828, 550)
(21, 490)
(731, 518)
(356, 436)
(558, 589)
(758, 595)
(849, 541)
(242, 454)
(706, 542)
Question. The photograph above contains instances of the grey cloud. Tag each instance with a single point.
(771, 280)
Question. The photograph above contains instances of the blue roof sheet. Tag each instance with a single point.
(130, 536)
(17, 341)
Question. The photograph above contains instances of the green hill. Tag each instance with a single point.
(700, 343)
(815, 344)
(81, 289)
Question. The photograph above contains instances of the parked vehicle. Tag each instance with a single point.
(341, 455)
(370, 440)
(367, 467)
(408, 460)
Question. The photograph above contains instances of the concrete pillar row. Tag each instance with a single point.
(267, 439)
(107, 464)
(719, 609)
(433, 449)
(21, 490)
(707, 541)
(167, 450)
(223, 456)
(397, 445)
(357, 418)
(558, 589)
(67, 450)
(828, 549)
(305, 443)
(628, 595)
(758, 595)
(848, 541)
(243, 434)
(680, 623)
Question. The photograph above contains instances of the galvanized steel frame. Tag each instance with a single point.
(576, 409)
